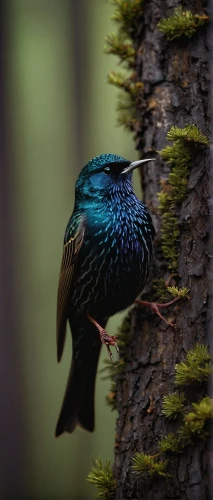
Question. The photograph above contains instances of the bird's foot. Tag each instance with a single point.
(155, 308)
(109, 340)
(106, 339)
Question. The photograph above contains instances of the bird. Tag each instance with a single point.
(107, 255)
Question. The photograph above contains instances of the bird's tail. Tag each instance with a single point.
(78, 404)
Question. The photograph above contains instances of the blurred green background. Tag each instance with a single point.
(62, 113)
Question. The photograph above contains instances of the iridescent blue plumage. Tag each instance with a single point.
(106, 261)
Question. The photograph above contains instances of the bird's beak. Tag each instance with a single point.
(135, 164)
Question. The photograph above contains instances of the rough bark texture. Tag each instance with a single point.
(176, 79)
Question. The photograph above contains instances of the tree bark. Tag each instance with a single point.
(176, 80)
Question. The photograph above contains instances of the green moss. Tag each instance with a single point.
(171, 443)
(164, 200)
(126, 11)
(147, 464)
(102, 477)
(181, 23)
(121, 45)
(178, 292)
(195, 422)
(169, 237)
(176, 154)
(160, 290)
(173, 404)
(196, 367)
(180, 158)
(118, 79)
(190, 134)
(127, 84)
(174, 190)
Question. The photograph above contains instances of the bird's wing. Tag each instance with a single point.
(70, 253)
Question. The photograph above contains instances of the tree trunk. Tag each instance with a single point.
(175, 75)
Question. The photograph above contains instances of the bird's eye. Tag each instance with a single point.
(107, 170)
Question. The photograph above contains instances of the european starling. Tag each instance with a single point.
(106, 261)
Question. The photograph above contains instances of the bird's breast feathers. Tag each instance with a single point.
(114, 260)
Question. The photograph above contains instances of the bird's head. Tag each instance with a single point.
(106, 174)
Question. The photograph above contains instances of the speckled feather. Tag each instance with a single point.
(106, 262)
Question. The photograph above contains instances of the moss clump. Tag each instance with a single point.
(121, 44)
(182, 22)
(160, 290)
(180, 158)
(190, 134)
(169, 237)
(194, 416)
(195, 368)
(147, 464)
(174, 190)
(195, 422)
(179, 292)
(102, 477)
(118, 45)
(127, 84)
(171, 443)
(126, 11)
(173, 404)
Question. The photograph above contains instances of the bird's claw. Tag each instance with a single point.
(105, 338)
(155, 308)
(108, 341)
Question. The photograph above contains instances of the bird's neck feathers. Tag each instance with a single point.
(118, 193)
